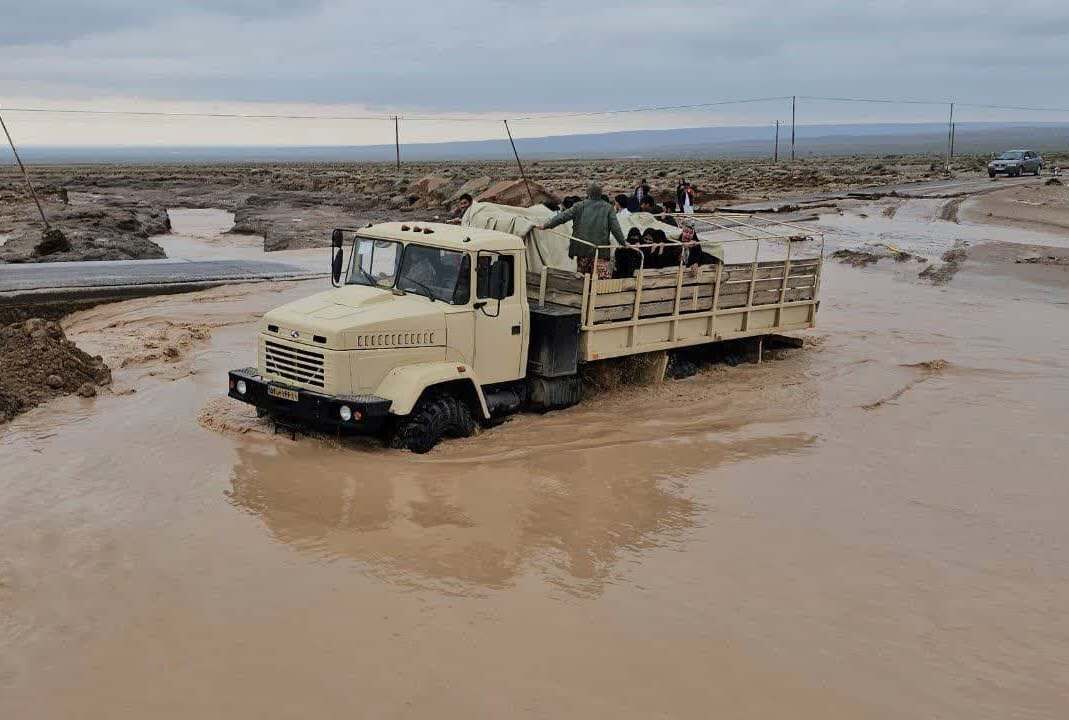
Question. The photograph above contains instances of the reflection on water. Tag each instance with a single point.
(466, 526)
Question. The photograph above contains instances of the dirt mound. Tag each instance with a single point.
(949, 211)
(514, 192)
(932, 366)
(1042, 260)
(952, 259)
(856, 258)
(52, 241)
(1053, 181)
(38, 362)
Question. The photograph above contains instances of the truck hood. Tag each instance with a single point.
(357, 317)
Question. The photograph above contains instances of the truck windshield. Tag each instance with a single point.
(374, 262)
(436, 273)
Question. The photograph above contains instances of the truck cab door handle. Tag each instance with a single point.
(515, 329)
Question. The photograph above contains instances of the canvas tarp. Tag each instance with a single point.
(549, 248)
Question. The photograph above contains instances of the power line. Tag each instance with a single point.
(658, 108)
(888, 101)
(884, 101)
(160, 113)
(1014, 107)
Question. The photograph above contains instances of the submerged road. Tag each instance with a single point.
(944, 188)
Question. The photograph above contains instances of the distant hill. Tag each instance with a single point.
(703, 142)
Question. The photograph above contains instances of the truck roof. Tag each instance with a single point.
(453, 237)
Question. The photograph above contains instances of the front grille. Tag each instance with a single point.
(294, 364)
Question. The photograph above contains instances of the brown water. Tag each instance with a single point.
(873, 527)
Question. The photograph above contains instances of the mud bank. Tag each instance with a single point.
(87, 229)
(1043, 208)
(296, 205)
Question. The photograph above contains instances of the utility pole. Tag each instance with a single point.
(775, 152)
(794, 104)
(397, 141)
(950, 136)
(953, 139)
(25, 175)
(530, 197)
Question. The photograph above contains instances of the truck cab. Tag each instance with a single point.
(424, 333)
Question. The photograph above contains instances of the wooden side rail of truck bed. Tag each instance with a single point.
(660, 309)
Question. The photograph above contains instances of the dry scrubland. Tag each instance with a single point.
(109, 212)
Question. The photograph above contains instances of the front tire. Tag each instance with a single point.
(435, 416)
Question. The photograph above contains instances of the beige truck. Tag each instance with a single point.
(431, 329)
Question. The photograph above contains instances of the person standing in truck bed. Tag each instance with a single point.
(593, 220)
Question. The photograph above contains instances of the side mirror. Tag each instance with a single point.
(337, 253)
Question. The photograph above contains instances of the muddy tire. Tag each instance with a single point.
(435, 417)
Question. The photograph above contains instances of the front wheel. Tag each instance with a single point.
(435, 417)
(991, 174)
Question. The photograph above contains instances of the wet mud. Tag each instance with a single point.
(871, 526)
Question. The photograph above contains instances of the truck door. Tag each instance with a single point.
(500, 319)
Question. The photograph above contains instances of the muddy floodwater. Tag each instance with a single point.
(872, 527)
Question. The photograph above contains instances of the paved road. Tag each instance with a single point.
(947, 188)
(36, 283)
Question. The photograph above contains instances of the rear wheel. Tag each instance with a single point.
(436, 416)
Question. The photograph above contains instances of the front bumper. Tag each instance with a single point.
(368, 411)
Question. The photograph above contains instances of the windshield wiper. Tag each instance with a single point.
(430, 293)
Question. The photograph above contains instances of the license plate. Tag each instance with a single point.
(281, 392)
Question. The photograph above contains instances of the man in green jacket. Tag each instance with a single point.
(593, 220)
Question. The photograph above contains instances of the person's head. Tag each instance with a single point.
(464, 203)
(634, 235)
(646, 205)
(648, 236)
(555, 207)
(689, 233)
(658, 235)
(593, 191)
(620, 201)
(568, 201)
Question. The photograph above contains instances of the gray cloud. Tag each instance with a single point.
(550, 55)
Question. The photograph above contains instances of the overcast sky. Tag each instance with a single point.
(513, 57)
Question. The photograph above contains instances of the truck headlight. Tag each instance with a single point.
(346, 413)
(242, 387)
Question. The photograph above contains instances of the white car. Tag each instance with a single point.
(1015, 163)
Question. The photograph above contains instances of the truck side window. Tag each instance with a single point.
(486, 263)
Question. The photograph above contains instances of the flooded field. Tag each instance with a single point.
(871, 527)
